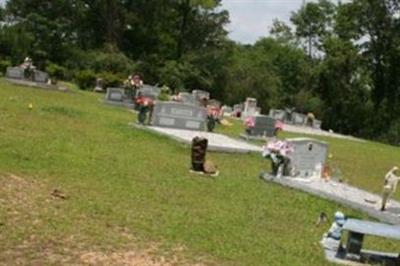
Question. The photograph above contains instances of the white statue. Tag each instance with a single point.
(389, 188)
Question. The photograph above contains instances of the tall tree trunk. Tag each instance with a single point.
(185, 17)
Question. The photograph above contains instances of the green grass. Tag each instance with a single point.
(129, 189)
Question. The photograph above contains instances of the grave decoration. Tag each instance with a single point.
(198, 156)
(351, 252)
(389, 187)
(180, 116)
(305, 158)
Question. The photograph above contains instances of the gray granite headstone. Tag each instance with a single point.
(263, 126)
(180, 116)
(40, 76)
(115, 95)
(199, 95)
(186, 97)
(277, 114)
(308, 157)
(299, 119)
(317, 124)
(15, 73)
(149, 91)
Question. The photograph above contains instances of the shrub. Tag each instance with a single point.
(85, 79)
(3, 66)
(111, 79)
(109, 62)
(392, 136)
(57, 72)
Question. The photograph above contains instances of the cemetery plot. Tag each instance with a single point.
(180, 116)
(17, 75)
(216, 142)
(149, 91)
(344, 194)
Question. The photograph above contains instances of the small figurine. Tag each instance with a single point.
(389, 187)
(335, 231)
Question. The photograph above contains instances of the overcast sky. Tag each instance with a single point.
(252, 19)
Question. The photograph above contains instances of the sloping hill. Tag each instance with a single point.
(125, 195)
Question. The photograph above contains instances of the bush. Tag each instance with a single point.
(3, 66)
(85, 79)
(109, 62)
(392, 136)
(57, 72)
(111, 79)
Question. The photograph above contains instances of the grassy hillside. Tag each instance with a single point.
(129, 191)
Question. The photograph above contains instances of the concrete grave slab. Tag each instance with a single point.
(342, 193)
(180, 116)
(216, 142)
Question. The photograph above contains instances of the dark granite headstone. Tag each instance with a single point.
(309, 156)
(180, 116)
(263, 126)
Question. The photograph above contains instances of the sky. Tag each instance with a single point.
(252, 19)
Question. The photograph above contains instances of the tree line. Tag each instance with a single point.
(337, 60)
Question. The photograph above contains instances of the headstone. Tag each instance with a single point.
(317, 124)
(308, 157)
(40, 76)
(180, 116)
(250, 108)
(15, 73)
(116, 95)
(198, 95)
(277, 114)
(299, 119)
(263, 126)
(187, 98)
(149, 91)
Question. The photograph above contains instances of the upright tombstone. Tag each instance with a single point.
(250, 108)
(40, 76)
(187, 98)
(199, 95)
(179, 116)
(277, 114)
(116, 96)
(264, 126)
(15, 73)
(299, 119)
(149, 91)
(317, 124)
(308, 157)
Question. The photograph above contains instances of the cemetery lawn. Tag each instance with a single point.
(125, 195)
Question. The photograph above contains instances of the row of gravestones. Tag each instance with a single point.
(293, 118)
(19, 74)
(165, 114)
